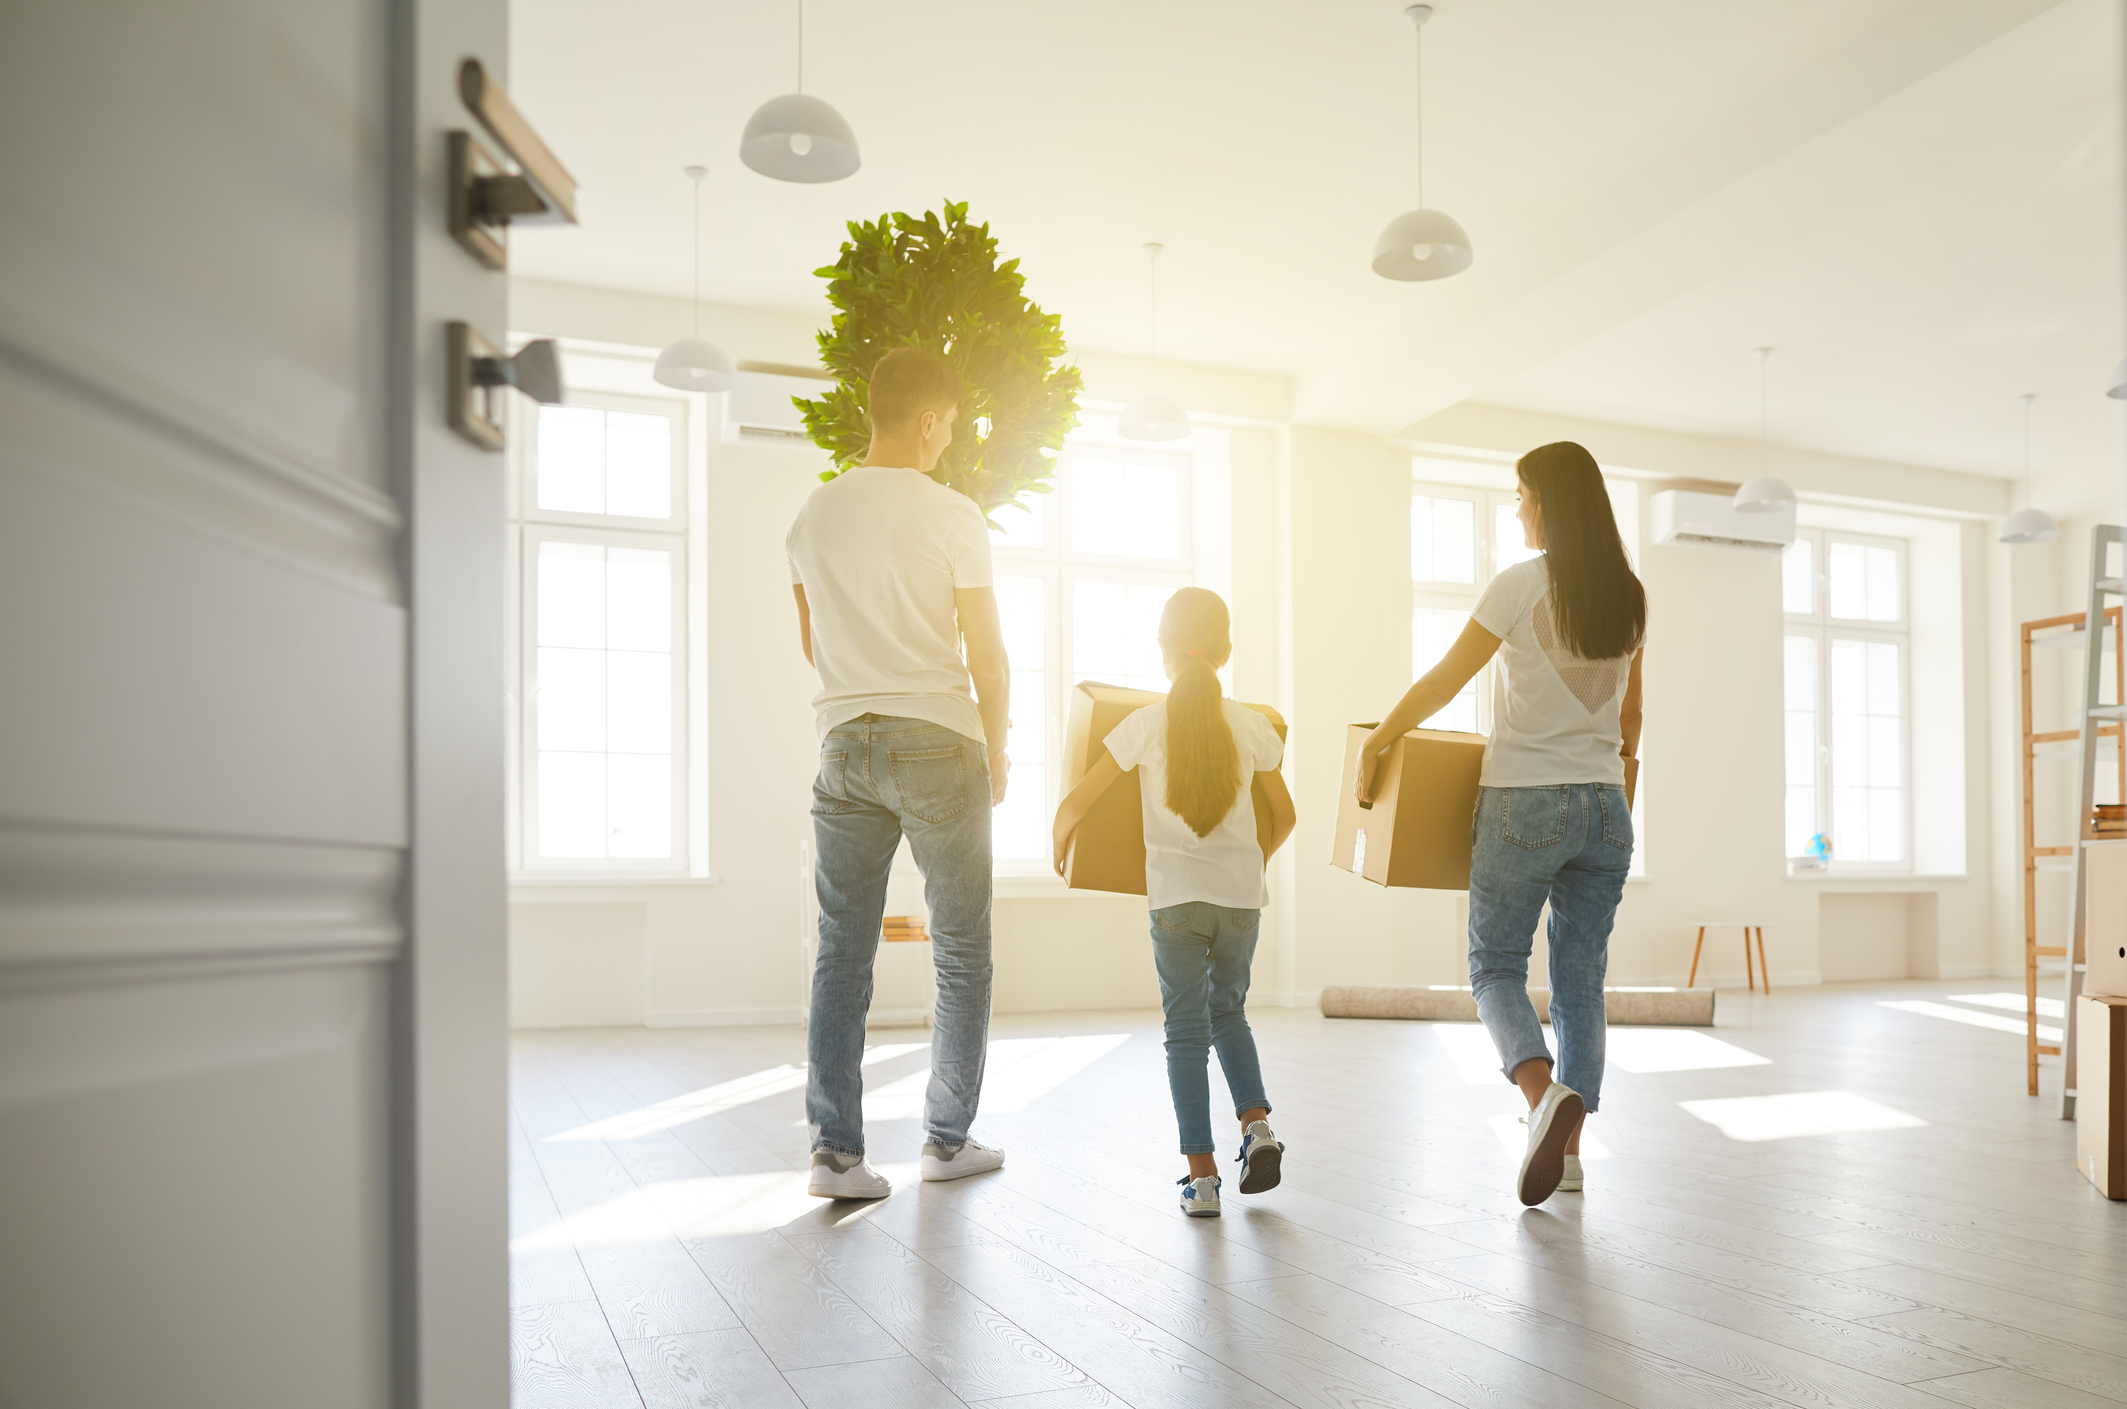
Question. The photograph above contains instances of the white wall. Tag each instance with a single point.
(1319, 522)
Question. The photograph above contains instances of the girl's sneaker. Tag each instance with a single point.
(1200, 1196)
(1569, 1182)
(1259, 1157)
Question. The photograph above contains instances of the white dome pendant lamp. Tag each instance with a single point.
(797, 137)
(2116, 388)
(1765, 492)
(1421, 244)
(2030, 524)
(694, 363)
(1152, 416)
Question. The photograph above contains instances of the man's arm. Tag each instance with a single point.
(992, 674)
(804, 621)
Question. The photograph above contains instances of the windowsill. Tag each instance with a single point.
(1033, 886)
(522, 882)
(1875, 877)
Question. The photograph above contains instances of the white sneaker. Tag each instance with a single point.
(836, 1176)
(959, 1161)
(1569, 1182)
(1200, 1196)
(1261, 1153)
(1555, 1118)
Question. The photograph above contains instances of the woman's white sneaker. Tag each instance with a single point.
(1200, 1196)
(1551, 1124)
(839, 1176)
(1569, 1182)
(959, 1161)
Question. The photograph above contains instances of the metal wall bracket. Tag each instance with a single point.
(486, 197)
(479, 374)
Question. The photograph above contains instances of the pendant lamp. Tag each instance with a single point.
(1421, 244)
(1152, 416)
(1764, 493)
(797, 137)
(2116, 388)
(2030, 524)
(693, 363)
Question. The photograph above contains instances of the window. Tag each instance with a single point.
(1845, 667)
(600, 572)
(1451, 562)
(1081, 579)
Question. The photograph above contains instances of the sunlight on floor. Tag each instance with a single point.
(731, 1205)
(1514, 1138)
(1754, 1118)
(1652, 1049)
(1021, 1070)
(678, 1110)
(1970, 1018)
(1634, 1049)
(2008, 1002)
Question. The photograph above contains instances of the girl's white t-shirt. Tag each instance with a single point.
(1554, 714)
(1225, 868)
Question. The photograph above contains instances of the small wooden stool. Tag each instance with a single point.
(1748, 930)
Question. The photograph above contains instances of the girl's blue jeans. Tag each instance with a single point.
(1203, 952)
(1570, 846)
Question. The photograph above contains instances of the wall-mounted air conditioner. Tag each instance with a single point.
(758, 409)
(1711, 521)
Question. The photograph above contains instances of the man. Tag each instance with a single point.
(891, 570)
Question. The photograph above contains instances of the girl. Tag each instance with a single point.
(1197, 754)
(1552, 823)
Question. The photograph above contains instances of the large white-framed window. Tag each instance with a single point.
(1460, 538)
(1845, 667)
(1082, 576)
(599, 572)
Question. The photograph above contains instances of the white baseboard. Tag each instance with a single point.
(898, 1017)
(1975, 971)
(723, 1017)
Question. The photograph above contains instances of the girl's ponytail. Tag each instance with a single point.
(1203, 762)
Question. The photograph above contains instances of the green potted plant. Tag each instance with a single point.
(905, 281)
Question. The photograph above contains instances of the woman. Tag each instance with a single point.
(1552, 822)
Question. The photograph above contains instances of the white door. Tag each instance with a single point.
(251, 996)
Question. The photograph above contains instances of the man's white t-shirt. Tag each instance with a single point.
(879, 552)
(1225, 868)
(1554, 715)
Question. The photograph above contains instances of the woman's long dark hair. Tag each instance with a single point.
(1203, 762)
(1600, 607)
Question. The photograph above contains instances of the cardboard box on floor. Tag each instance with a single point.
(2105, 918)
(1416, 832)
(1108, 851)
(2101, 1093)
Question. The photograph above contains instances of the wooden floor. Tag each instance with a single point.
(1871, 1213)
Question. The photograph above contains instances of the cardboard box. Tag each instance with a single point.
(1416, 832)
(2101, 1093)
(1108, 851)
(2105, 918)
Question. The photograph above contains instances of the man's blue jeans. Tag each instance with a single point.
(1203, 953)
(881, 777)
(1570, 846)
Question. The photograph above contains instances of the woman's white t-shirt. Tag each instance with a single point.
(1225, 868)
(1554, 714)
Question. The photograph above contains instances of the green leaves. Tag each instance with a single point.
(905, 281)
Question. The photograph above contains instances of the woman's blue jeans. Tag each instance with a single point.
(1570, 846)
(882, 777)
(1203, 952)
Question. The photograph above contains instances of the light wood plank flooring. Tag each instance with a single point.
(1822, 1201)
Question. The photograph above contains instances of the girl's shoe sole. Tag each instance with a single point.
(1261, 1171)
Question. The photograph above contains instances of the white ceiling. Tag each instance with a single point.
(1916, 201)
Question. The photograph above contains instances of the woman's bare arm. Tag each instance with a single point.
(1628, 713)
(1434, 690)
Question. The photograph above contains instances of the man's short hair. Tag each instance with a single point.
(908, 382)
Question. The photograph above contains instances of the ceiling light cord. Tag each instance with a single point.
(695, 174)
(801, 46)
(1152, 308)
(1764, 450)
(1418, 102)
(2030, 489)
